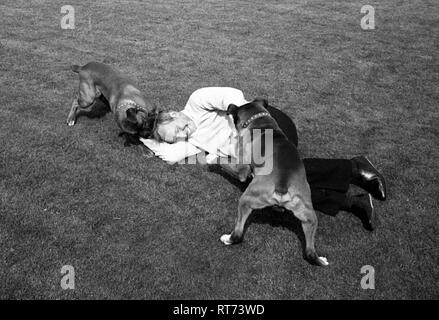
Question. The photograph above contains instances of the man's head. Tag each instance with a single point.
(173, 126)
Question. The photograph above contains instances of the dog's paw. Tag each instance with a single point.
(148, 155)
(323, 261)
(225, 238)
(147, 152)
(70, 123)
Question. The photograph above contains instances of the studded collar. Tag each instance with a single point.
(254, 117)
(129, 104)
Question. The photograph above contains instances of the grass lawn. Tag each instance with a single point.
(136, 228)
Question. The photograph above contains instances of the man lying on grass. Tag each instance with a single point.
(203, 127)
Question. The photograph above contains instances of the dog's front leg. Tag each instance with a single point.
(131, 139)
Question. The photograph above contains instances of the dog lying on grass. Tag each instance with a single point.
(134, 114)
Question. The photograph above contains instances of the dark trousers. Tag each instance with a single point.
(328, 179)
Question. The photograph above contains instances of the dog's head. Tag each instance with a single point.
(140, 122)
(245, 112)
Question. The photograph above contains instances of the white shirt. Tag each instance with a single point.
(215, 131)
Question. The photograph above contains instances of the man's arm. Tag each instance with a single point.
(171, 152)
(214, 99)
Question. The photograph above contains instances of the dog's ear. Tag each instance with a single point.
(231, 109)
(132, 115)
(262, 101)
(155, 108)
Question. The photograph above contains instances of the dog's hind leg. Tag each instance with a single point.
(244, 211)
(88, 93)
(304, 211)
(252, 198)
(77, 111)
(71, 118)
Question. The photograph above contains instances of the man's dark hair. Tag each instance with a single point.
(161, 118)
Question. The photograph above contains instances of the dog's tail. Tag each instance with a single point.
(75, 68)
(282, 196)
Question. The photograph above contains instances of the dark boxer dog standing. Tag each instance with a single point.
(285, 185)
(134, 115)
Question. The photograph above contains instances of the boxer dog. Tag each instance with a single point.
(284, 185)
(134, 115)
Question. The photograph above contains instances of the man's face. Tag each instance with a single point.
(179, 128)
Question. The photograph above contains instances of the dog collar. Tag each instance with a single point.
(129, 104)
(254, 117)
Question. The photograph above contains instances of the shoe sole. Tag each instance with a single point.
(370, 162)
(372, 216)
(379, 174)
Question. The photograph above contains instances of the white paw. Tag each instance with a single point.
(225, 238)
(71, 123)
(324, 261)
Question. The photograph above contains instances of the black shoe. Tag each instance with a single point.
(367, 177)
(363, 206)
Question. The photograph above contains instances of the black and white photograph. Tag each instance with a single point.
(233, 150)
